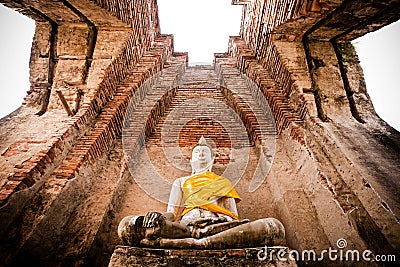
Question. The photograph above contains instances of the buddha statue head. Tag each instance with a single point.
(202, 158)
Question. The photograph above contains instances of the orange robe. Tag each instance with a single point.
(201, 189)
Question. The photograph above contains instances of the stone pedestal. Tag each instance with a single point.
(132, 256)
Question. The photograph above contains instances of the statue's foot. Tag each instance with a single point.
(150, 243)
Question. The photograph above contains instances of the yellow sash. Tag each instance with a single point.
(200, 189)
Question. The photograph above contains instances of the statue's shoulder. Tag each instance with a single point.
(179, 181)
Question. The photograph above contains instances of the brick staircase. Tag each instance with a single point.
(202, 107)
(199, 108)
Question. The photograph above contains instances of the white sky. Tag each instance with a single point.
(379, 54)
(16, 33)
(202, 28)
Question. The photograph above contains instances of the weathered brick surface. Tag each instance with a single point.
(229, 114)
(196, 87)
(74, 146)
(88, 112)
(91, 147)
(302, 45)
(128, 256)
(277, 97)
(286, 19)
(332, 174)
(71, 45)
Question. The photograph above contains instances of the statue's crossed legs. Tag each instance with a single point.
(156, 230)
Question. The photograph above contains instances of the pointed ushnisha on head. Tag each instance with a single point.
(202, 141)
(202, 158)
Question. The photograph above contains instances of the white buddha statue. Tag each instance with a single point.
(201, 213)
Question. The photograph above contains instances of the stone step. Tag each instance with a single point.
(132, 256)
(195, 83)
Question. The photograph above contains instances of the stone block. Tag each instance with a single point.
(96, 72)
(73, 41)
(133, 256)
(110, 44)
(39, 70)
(41, 42)
(70, 71)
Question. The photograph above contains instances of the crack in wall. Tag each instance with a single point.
(92, 37)
(349, 92)
(312, 67)
(52, 61)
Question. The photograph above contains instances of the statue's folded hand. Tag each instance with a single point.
(202, 222)
(153, 219)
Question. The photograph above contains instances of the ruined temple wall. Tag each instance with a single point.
(53, 178)
(75, 178)
(354, 82)
(322, 77)
(73, 38)
(66, 175)
(324, 188)
(108, 67)
(286, 178)
(308, 207)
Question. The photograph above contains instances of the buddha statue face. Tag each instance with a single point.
(202, 158)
